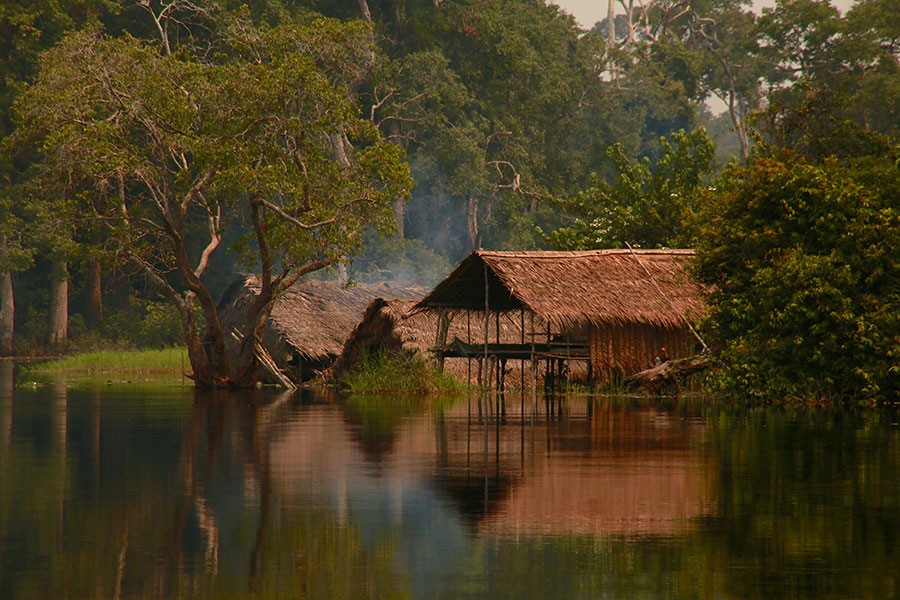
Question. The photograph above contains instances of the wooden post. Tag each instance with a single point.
(522, 362)
(487, 314)
(533, 376)
(439, 340)
(469, 341)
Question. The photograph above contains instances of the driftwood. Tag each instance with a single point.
(668, 374)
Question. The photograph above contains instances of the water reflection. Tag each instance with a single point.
(126, 492)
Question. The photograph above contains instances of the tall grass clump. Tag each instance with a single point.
(399, 373)
(165, 360)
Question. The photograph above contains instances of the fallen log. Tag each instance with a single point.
(668, 375)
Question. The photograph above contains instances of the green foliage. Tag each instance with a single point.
(802, 259)
(142, 323)
(845, 70)
(164, 360)
(649, 205)
(402, 373)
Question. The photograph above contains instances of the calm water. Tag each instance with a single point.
(143, 490)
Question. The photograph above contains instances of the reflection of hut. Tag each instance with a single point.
(393, 325)
(309, 323)
(613, 309)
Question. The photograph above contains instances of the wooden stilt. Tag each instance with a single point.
(487, 314)
(469, 341)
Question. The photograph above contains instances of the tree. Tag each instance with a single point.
(649, 205)
(801, 257)
(177, 144)
(26, 29)
(498, 105)
(850, 64)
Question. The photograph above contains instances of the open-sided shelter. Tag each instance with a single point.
(614, 309)
(309, 322)
(390, 326)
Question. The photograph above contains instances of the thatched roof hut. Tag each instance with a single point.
(309, 323)
(626, 304)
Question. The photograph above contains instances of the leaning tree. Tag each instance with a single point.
(257, 133)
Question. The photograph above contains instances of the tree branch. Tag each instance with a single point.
(214, 240)
(308, 227)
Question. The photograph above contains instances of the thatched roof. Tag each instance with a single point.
(574, 289)
(312, 317)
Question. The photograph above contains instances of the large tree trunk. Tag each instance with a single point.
(611, 23)
(58, 334)
(473, 239)
(203, 374)
(399, 207)
(7, 314)
(93, 306)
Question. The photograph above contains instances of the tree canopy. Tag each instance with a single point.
(162, 148)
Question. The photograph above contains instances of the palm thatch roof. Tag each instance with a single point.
(576, 289)
(311, 319)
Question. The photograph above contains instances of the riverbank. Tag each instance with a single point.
(165, 360)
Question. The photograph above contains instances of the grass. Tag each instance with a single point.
(399, 373)
(166, 360)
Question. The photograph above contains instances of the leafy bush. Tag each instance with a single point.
(804, 259)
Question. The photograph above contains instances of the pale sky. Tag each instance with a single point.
(588, 12)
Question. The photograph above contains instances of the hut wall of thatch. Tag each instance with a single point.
(620, 351)
(309, 322)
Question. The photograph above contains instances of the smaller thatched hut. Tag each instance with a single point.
(309, 323)
(394, 325)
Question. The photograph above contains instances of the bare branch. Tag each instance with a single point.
(308, 227)
(214, 240)
(158, 280)
(194, 191)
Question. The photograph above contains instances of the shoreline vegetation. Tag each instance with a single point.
(164, 360)
(399, 373)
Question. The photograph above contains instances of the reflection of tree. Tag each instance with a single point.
(808, 493)
(7, 384)
(295, 551)
(93, 494)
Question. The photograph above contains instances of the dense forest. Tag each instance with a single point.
(153, 149)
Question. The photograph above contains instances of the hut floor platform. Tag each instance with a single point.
(460, 349)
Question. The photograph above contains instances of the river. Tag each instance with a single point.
(144, 489)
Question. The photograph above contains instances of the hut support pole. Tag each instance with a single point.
(500, 362)
(487, 315)
(549, 363)
(469, 341)
(522, 362)
(437, 339)
(533, 378)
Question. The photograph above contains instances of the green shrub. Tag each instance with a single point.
(802, 261)
(399, 373)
